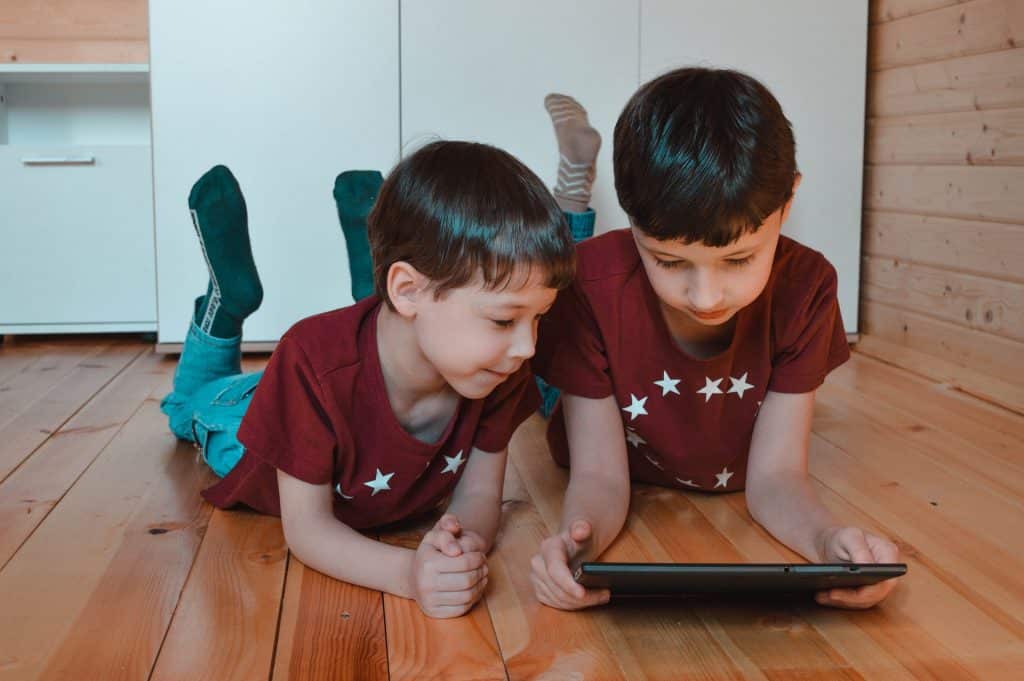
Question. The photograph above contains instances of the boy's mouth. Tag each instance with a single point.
(709, 314)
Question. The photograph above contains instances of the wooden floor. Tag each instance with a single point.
(111, 567)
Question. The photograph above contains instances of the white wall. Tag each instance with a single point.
(287, 95)
(812, 58)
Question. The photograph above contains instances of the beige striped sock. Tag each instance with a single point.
(578, 144)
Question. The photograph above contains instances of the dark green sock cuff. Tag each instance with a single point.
(581, 224)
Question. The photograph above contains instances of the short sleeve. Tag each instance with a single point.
(811, 340)
(571, 352)
(286, 424)
(505, 408)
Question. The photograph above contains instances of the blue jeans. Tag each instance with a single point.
(210, 397)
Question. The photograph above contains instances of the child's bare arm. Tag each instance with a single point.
(445, 580)
(780, 497)
(476, 501)
(595, 505)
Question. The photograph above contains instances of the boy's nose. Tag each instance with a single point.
(704, 293)
(524, 344)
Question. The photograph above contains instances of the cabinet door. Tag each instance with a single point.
(287, 95)
(812, 59)
(73, 235)
(480, 71)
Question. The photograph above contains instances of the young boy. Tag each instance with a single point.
(385, 409)
(689, 346)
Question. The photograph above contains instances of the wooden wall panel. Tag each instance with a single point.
(943, 266)
(985, 81)
(990, 249)
(74, 31)
(887, 10)
(967, 138)
(971, 28)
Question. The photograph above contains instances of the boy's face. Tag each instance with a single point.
(477, 337)
(709, 285)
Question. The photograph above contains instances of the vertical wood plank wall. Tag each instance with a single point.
(943, 249)
(74, 31)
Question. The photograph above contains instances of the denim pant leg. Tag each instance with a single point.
(217, 411)
(582, 227)
(210, 397)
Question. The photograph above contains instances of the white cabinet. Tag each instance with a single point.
(812, 57)
(290, 94)
(76, 227)
(287, 95)
(480, 70)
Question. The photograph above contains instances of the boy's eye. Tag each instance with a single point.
(669, 264)
(739, 262)
(504, 323)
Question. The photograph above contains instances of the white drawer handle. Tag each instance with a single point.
(59, 160)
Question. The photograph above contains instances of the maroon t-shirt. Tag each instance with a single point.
(321, 414)
(688, 421)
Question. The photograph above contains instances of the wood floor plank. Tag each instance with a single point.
(225, 624)
(936, 474)
(329, 630)
(30, 492)
(634, 631)
(996, 431)
(91, 593)
(526, 629)
(22, 388)
(983, 572)
(420, 647)
(49, 403)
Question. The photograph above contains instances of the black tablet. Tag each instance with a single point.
(648, 579)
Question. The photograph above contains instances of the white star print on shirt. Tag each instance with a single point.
(688, 483)
(710, 388)
(453, 463)
(723, 477)
(379, 483)
(636, 407)
(667, 384)
(634, 438)
(740, 385)
(654, 462)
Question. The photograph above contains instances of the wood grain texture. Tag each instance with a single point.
(967, 300)
(981, 82)
(91, 593)
(992, 355)
(329, 629)
(948, 374)
(968, 138)
(74, 31)
(988, 249)
(226, 622)
(420, 647)
(99, 589)
(970, 193)
(886, 10)
(39, 400)
(971, 28)
(30, 492)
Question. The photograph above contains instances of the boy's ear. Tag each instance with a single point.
(406, 286)
(789, 204)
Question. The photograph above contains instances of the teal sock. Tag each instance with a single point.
(219, 216)
(355, 192)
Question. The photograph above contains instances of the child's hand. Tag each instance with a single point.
(552, 578)
(854, 545)
(446, 579)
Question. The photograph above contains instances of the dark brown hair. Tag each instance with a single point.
(703, 155)
(455, 209)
